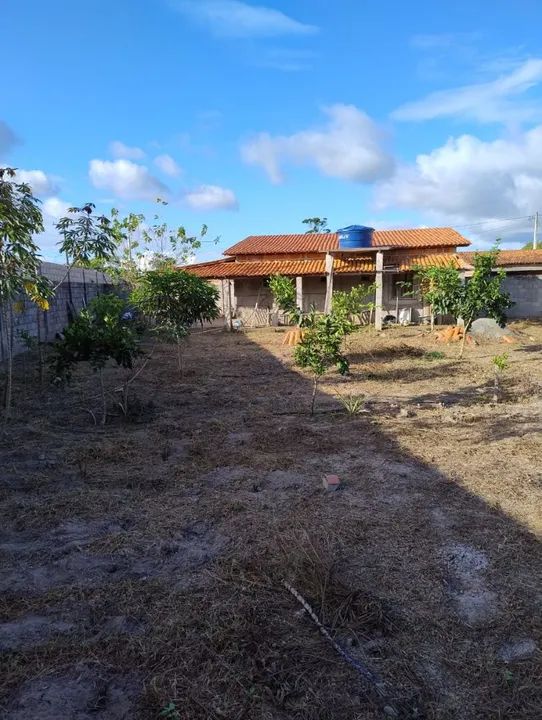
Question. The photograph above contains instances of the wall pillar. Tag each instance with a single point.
(379, 293)
(299, 292)
(329, 283)
(228, 299)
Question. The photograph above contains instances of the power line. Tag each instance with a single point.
(495, 220)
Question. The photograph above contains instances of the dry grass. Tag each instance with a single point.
(165, 541)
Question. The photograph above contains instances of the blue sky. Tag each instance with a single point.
(250, 116)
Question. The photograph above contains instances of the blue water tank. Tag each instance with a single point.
(355, 237)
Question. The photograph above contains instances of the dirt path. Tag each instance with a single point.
(142, 564)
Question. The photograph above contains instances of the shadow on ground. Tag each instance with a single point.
(144, 565)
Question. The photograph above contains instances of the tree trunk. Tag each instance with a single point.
(40, 349)
(313, 398)
(7, 332)
(104, 399)
(179, 357)
(463, 341)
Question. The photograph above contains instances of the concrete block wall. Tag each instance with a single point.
(75, 291)
(526, 291)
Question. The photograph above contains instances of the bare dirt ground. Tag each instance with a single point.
(142, 564)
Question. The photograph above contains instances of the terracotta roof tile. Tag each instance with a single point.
(342, 266)
(323, 242)
(510, 257)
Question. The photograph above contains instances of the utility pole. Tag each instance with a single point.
(535, 231)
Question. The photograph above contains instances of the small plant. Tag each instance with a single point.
(320, 348)
(444, 290)
(349, 306)
(174, 300)
(353, 404)
(170, 712)
(284, 294)
(96, 335)
(500, 364)
(434, 355)
(29, 341)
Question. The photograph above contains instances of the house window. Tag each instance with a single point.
(402, 285)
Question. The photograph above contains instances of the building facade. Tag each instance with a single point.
(320, 266)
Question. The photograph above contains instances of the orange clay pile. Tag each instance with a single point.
(454, 333)
(450, 334)
(293, 337)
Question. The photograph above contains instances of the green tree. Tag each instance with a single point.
(170, 246)
(20, 220)
(86, 237)
(175, 300)
(441, 288)
(317, 225)
(98, 334)
(320, 347)
(481, 293)
(122, 265)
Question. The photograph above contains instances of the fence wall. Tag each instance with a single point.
(74, 293)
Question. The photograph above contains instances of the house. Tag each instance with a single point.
(323, 262)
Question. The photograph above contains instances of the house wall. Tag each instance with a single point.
(254, 301)
(525, 289)
(391, 302)
(314, 293)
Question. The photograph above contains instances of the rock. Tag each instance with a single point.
(489, 330)
(518, 650)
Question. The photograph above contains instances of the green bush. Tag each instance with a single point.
(175, 300)
(96, 335)
(320, 347)
(347, 305)
(284, 293)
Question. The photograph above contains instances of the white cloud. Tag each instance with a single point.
(349, 146)
(211, 197)
(125, 179)
(232, 18)
(119, 150)
(55, 208)
(42, 184)
(483, 102)
(469, 180)
(167, 165)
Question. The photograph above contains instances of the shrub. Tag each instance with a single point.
(353, 404)
(320, 347)
(347, 305)
(444, 290)
(98, 334)
(284, 293)
(500, 364)
(175, 300)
